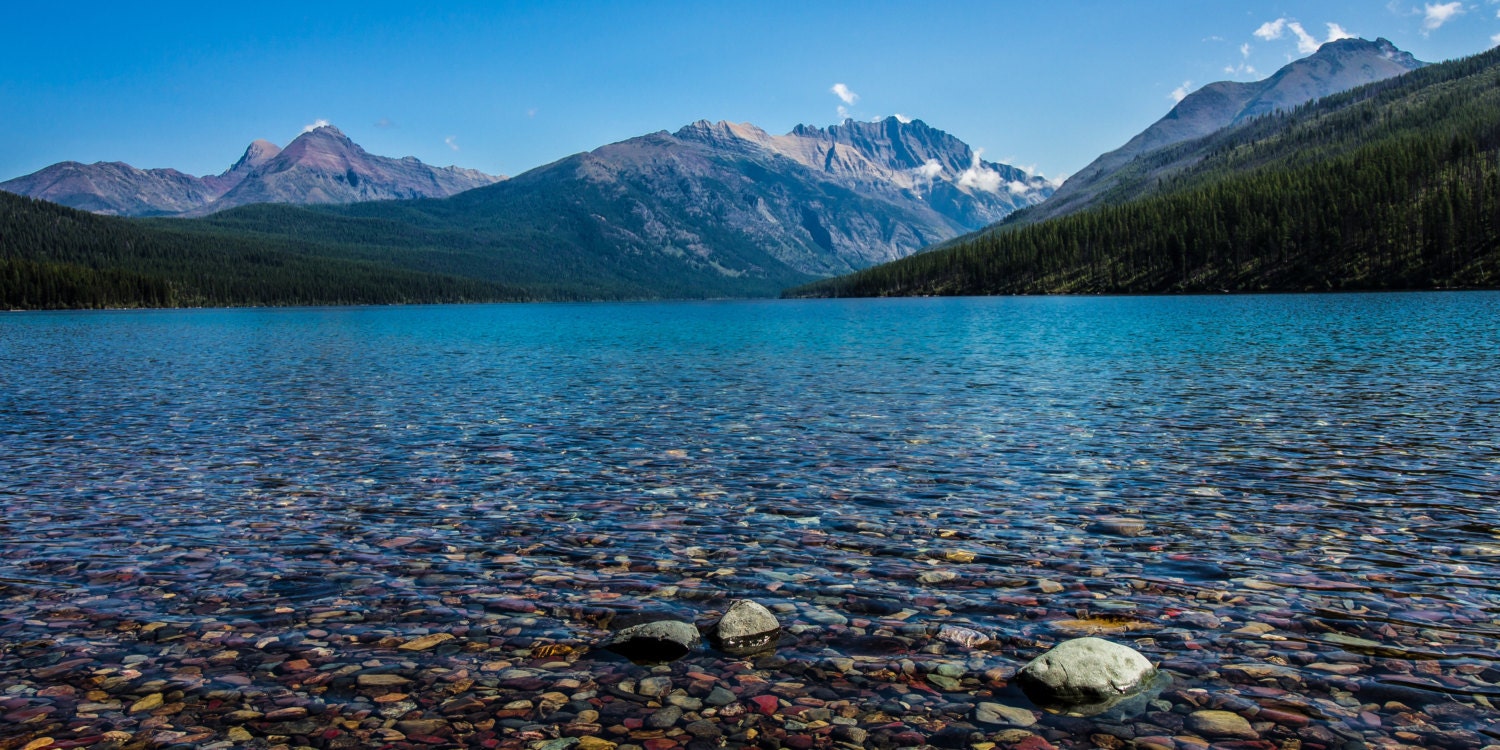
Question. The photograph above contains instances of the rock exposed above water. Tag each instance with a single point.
(1085, 671)
(662, 641)
(747, 628)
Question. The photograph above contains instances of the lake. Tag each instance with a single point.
(222, 525)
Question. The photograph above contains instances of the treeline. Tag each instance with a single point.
(1392, 186)
(52, 257)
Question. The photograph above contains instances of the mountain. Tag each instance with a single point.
(324, 166)
(115, 188)
(897, 158)
(735, 198)
(319, 166)
(1335, 67)
(713, 210)
(1393, 185)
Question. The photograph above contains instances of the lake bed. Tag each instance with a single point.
(222, 526)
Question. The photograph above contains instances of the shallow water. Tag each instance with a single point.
(1237, 486)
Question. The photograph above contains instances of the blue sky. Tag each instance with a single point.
(505, 87)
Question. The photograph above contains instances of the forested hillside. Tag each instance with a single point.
(1395, 185)
(56, 257)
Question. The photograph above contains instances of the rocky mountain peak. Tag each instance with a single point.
(259, 152)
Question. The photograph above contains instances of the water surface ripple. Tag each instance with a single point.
(1288, 501)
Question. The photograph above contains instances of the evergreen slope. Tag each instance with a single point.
(1395, 185)
(55, 257)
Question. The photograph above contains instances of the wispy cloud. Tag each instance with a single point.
(1243, 67)
(901, 118)
(979, 176)
(452, 142)
(1495, 39)
(929, 169)
(1337, 32)
(1271, 29)
(384, 122)
(843, 92)
(923, 176)
(1181, 92)
(314, 125)
(1306, 43)
(1437, 14)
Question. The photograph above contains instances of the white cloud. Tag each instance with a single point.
(843, 113)
(843, 92)
(384, 122)
(452, 142)
(901, 118)
(1306, 43)
(1271, 29)
(980, 177)
(1495, 40)
(318, 123)
(1244, 67)
(1181, 92)
(1438, 14)
(929, 170)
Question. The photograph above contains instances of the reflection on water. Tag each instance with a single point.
(1288, 501)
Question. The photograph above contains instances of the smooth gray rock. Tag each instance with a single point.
(747, 628)
(666, 718)
(1085, 671)
(662, 641)
(1000, 714)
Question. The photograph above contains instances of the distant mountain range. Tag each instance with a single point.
(723, 209)
(1392, 185)
(320, 166)
(713, 210)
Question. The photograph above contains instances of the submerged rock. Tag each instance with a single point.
(1221, 724)
(662, 641)
(962, 636)
(1002, 715)
(1118, 526)
(1085, 673)
(747, 628)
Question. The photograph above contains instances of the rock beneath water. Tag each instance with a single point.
(961, 636)
(1118, 526)
(1085, 673)
(747, 628)
(1000, 714)
(666, 718)
(661, 641)
(1220, 724)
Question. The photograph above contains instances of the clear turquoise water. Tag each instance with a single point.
(1324, 463)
